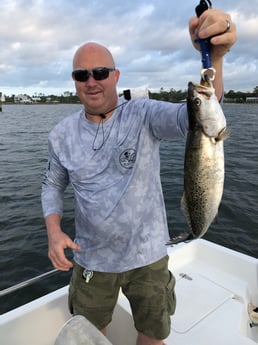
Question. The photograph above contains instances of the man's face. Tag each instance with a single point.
(98, 96)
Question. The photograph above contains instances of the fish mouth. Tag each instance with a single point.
(196, 90)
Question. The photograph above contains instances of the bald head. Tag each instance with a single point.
(91, 55)
(99, 95)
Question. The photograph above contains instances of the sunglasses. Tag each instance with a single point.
(99, 73)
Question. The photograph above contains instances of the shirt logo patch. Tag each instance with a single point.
(127, 158)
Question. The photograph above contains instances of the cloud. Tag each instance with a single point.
(149, 40)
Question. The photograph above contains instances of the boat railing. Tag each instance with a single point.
(28, 282)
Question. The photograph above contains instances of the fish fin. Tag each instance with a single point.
(185, 210)
(223, 135)
(184, 237)
(216, 219)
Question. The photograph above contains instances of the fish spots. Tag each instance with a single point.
(204, 159)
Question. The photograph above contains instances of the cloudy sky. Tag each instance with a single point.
(149, 40)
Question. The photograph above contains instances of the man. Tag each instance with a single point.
(109, 152)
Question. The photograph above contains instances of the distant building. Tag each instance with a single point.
(68, 94)
(36, 99)
(252, 99)
(24, 99)
(2, 97)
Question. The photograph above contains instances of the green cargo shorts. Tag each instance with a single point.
(149, 289)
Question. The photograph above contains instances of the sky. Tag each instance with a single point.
(148, 39)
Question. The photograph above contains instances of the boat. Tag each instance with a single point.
(216, 288)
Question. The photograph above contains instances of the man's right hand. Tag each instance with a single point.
(58, 241)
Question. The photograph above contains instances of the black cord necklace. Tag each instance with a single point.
(100, 125)
(103, 115)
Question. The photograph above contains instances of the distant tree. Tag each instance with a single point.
(169, 96)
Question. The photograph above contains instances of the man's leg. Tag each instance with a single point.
(150, 291)
(94, 299)
(145, 340)
(104, 331)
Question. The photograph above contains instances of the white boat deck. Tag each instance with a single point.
(213, 304)
(214, 287)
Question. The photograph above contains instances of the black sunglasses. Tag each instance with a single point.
(99, 73)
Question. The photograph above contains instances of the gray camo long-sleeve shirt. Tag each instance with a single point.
(114, 170)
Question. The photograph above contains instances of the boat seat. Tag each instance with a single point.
(79, 331)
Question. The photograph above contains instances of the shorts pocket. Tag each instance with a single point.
(76, 279)
(70, 298)
(171, 296)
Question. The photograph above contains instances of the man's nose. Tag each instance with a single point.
(91, 80)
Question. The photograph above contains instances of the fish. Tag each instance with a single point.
(203, 162)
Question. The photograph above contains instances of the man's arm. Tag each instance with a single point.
(55, 182)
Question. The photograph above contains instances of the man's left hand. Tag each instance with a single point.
(217, 25)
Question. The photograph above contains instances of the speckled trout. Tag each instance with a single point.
(204, 161)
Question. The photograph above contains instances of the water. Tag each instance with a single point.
(23, 156)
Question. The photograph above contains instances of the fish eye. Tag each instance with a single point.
(198, 101)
